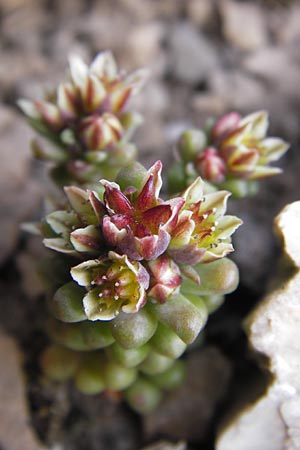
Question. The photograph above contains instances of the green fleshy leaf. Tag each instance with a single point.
(176, 177)
(89, 378)
(66, 305)
(213, 302)
(172, 378)
(155, 363)
(133, 330)
(191, 143)
(83, 336)
(218, 277)
(131, 175)
(118, 377)
(181, 316)
(241, 188)
(59, 363)
(96, 334)
(143, 396)
(167, 343)
(128, 357)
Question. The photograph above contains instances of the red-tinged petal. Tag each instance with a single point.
(119, 98)
(182, 233)
(86, 239)
(104, 66)
(148, 196)
(176, 205)
(112, 233)
(151, 247)
(141, 231)
(50, 113)
(94, 94)
(115, 200)
(187, 254)
(121, 238)
(156, 216)
(166, 278)
(226, 124)
(97, 205)
(191, 273)
(66, 100)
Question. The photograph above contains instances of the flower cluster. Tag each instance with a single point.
(233, 149)
(86, 117)
(142, 243)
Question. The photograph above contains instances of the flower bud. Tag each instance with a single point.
(191, 143)
(210, 165)
(99, 132)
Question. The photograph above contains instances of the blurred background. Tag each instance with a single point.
(206, 57)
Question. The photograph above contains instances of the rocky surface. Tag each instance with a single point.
(208, 375)
(15, 429)
(273, 329)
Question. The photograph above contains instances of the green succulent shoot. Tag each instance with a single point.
(87, 120)
(232, 154)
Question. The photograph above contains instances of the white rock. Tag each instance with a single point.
(258, 428)
(273, 422)
(243, 24)
(285, 224)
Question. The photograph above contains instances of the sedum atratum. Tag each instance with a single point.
(133, 277)
(232, 153)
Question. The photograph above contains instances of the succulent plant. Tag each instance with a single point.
(132, 277)
(87, 121)
(136, 292)
(232, 153)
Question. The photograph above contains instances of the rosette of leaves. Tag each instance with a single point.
(143, 274)
(231, 153)
(87, 121)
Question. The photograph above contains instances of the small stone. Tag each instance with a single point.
(15, 431)
(187, 412)
(278, 66)
(164, 445)
(19, 195)
(209, 104)
(143, 43)
(27, 262)
(238, 90)
(287, 30)
(192, 56)
(243, 24)
(200, 11)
